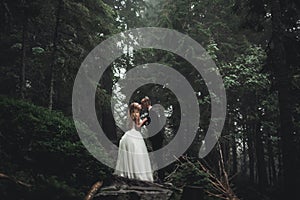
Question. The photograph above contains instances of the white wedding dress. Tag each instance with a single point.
(133, 160)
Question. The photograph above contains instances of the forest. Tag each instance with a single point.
(255, 44)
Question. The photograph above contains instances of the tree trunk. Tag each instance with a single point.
(24, 44)
(107, 119)
(271, 162)
(250, 153)
(53, 59)
(281, 69)
(234, 156)
(244, 164)
(225, 145)
(279, 175)
(261, 165)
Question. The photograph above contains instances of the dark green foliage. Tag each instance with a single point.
(80, 26)
(42, 148)
(256, 52)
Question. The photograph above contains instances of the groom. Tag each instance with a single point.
(157, 137)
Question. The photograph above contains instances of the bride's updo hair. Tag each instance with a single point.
(133, 113)
(134, 110)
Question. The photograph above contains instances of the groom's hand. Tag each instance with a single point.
(146, 115)
(148, 120)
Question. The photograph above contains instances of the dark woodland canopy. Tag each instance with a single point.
(254, 43)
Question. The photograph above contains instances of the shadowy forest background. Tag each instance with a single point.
(255, 44)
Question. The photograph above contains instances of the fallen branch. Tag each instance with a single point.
(221, 185)
(4, 176)
(93, 190)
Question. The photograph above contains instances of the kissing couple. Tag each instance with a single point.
(133, 159)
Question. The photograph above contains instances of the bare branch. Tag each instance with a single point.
(93, 190)
(4, 176)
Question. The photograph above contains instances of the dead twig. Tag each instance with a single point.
(221, 185)
(4, 176)
(93, 190)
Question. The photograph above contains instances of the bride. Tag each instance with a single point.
(133, 160)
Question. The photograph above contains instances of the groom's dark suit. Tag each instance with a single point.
(157, 139)
(157, 136)
(153, 123)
